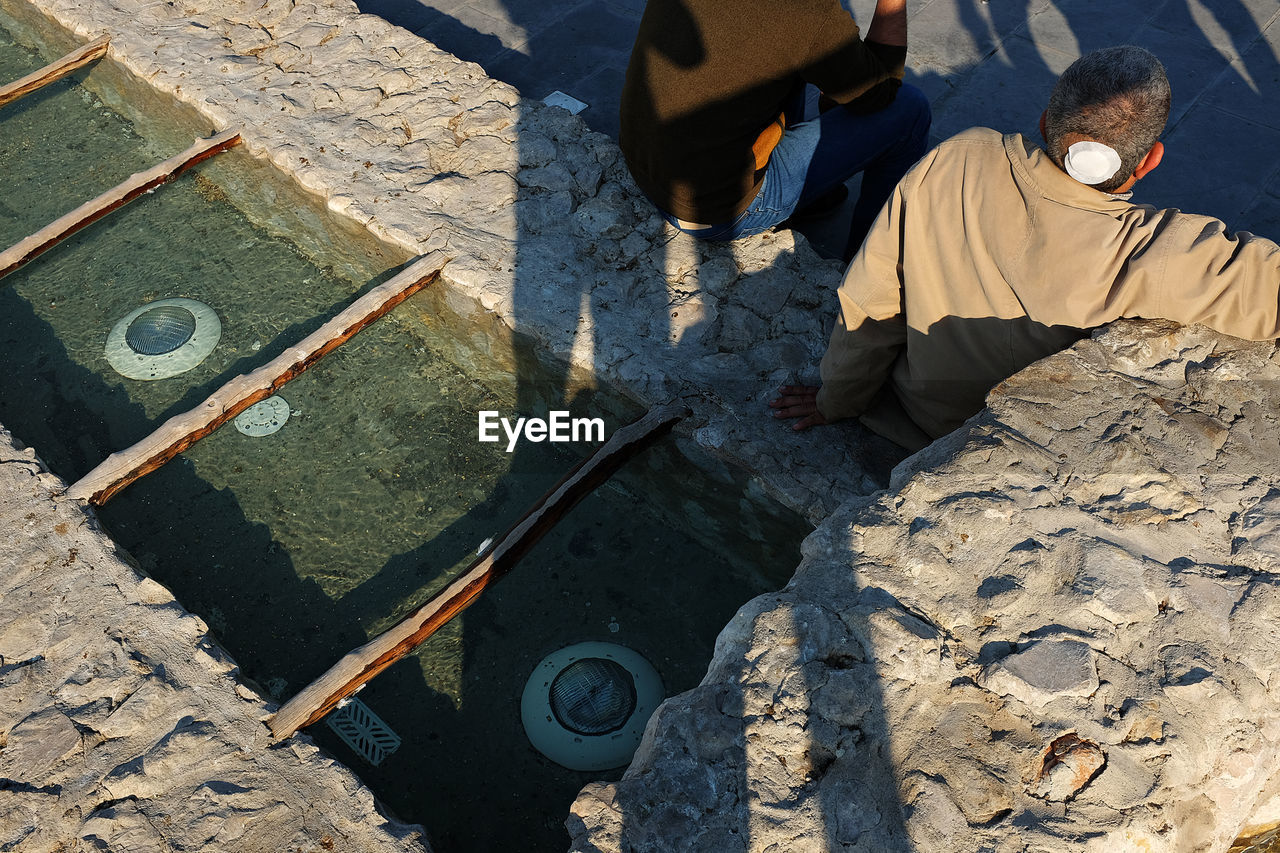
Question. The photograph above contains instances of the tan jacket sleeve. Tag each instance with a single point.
(871, 328)
(1228, 282)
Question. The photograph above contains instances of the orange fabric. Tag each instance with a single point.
(768, 140)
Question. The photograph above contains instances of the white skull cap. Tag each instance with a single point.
(1091, 162)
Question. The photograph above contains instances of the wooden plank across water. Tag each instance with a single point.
(359, 666)
(91, 211)
(181, 431)
(74, 60)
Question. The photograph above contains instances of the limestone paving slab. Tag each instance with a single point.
(1005, 91)
(1056, 632)
(1218, 186)
(1246, 87)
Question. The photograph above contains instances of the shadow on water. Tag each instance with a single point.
(191, 536)
(282, 628)
(726, 818)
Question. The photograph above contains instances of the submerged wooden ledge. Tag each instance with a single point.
(54, 71)
(181, 431)
(114, 198)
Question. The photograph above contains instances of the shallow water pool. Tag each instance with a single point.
(297, 547)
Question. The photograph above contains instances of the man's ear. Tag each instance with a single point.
(1149, 162)
(1043, 116)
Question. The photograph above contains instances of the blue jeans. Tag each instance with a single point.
(816, 155)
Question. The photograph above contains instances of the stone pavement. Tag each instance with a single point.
(982, 62)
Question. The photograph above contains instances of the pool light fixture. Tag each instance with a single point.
(585, 706)
(163, 339)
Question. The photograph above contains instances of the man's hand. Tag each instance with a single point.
(798, 401)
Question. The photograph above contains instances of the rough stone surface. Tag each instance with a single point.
(1056, 632)
(122, 725)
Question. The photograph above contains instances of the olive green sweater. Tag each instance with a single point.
(708, 77)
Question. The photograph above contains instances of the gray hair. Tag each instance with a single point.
(1118, 96)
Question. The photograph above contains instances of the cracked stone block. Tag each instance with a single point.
(1069, 763)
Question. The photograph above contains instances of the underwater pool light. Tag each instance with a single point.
(593, 696)
(163, 338)
(162, 330)
(585, 706)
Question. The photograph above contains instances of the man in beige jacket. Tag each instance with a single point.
(992, 253)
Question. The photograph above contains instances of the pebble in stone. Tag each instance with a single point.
(1068, 765)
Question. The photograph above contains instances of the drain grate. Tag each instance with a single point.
(263, 418)
(363, 731)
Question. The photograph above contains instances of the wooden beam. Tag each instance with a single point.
(74, 60)
(181, 431)
(357, 667)
(91, 211)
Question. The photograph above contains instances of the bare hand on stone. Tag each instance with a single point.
(798, 401)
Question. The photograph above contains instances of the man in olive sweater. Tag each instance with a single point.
(713, 101)
(993, 253)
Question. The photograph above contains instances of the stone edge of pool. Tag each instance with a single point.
(907, 687)
(122, 723)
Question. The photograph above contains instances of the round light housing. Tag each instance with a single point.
(585, 707)
(163, 339)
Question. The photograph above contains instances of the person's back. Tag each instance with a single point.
(712, 118)
(708, 76)
(1008, 259)
(991, 255)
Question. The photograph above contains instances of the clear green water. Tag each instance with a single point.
(297, 547)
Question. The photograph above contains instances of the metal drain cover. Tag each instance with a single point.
(163, 338)
(363, 731)
(585, 707)
(263, 418)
